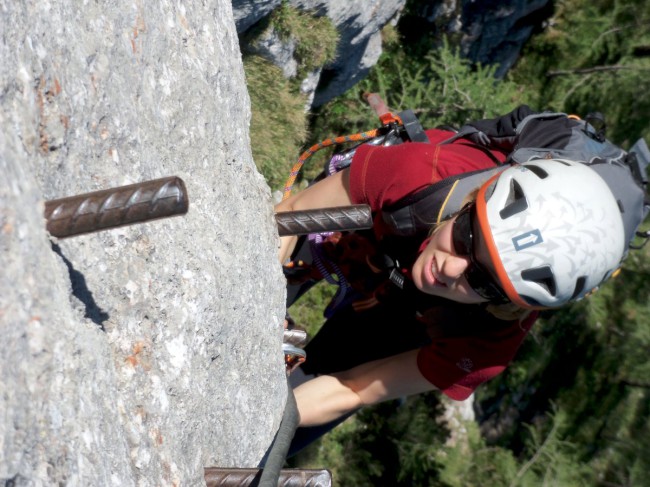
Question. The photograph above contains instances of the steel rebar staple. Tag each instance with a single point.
(116, 207)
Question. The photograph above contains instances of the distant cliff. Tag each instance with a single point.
(488, 32)
(135, 356)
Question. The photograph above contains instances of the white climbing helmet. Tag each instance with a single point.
(551, 231)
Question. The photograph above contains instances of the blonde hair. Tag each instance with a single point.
(508, 311)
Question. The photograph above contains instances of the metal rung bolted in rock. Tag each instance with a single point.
(336, 219)
(244, 477)
(116, 207)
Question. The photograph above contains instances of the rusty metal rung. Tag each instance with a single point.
(116, 207)
(343, 218)
(244, 477)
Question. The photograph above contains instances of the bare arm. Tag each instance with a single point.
(328, 397)
(329, 192)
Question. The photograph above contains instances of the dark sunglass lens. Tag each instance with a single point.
(477, 276)
(462, 233)
(480, 282)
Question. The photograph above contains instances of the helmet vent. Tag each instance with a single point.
(620, 206)
(580, 287)
(542, 276)
(538, 171)
(516, 202)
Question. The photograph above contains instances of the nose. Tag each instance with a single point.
(453, 268)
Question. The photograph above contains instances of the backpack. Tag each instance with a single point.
(536, 136)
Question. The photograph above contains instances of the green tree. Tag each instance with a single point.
(594, 56)
(441, 88)
(589, 360)
(547, 459)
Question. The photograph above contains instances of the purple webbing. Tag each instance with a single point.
(315, 242)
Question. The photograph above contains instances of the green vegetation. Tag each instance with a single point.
(549, 460)
(315, 37)
(589, 360)
(573, 409)
(595, 55)
(308, 311)
(279, 121)
(442, 88)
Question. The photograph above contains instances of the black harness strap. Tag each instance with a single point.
(413, 127)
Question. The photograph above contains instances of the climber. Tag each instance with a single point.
(475, 232)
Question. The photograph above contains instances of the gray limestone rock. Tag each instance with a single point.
(496, 35)
(140, 355)
(359, 23)
(280, 52)
(488, 32)
(248, 12)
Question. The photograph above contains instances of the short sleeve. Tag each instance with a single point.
(381, 176)
(458, 365)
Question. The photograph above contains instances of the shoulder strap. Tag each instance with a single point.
(413, 127)
(417, 213)
(465, 132)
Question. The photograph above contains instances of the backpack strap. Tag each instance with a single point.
(413, 127)
(481, 144)
(638, 159)
(417, 213)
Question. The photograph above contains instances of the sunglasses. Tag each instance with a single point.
(476, 274)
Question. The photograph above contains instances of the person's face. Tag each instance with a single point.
(439, 271)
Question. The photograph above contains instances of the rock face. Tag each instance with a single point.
(491, 32)
(249, 12)
(359, 23)
(488, 32)
(140, 355)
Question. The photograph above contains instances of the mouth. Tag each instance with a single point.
(430, 275)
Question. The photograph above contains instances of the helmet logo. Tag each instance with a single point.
(528, 239)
